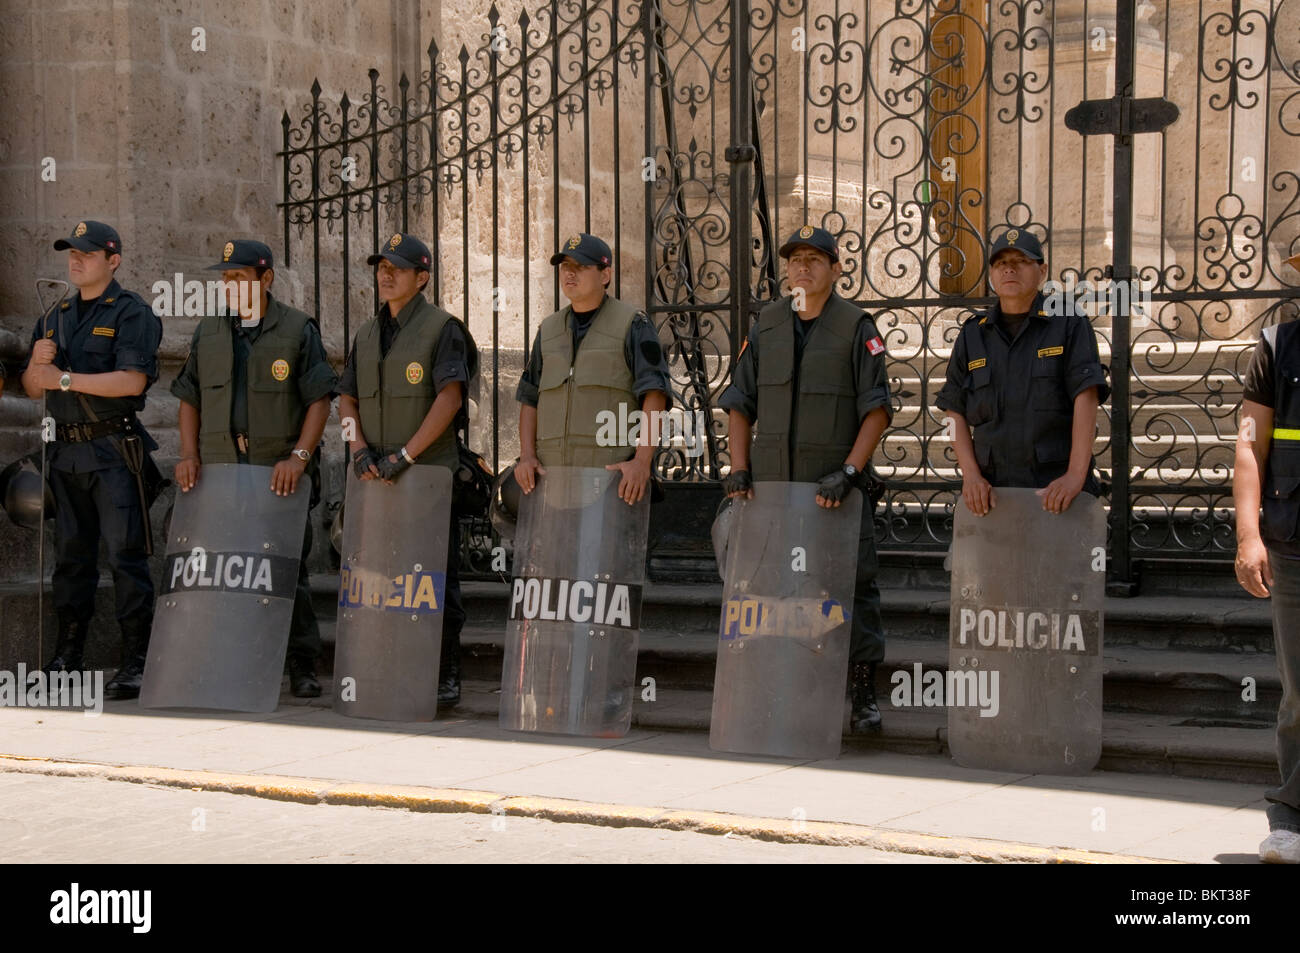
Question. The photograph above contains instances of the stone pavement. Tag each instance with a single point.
(101, 821)
(659, 778)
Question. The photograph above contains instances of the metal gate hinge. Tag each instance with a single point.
(1120, 116)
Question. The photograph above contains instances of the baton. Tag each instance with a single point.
(40, 533)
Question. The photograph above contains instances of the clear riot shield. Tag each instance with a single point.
(392, 582)
(783, 643)
(1023, 686)
(575, 606)
(221, 621)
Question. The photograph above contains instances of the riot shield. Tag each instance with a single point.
(392, 582)
(575, 606)
(1023, 686)
(783, 642)
(221, 621)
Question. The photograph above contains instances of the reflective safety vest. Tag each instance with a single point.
(1281, 496)
(275, 407)
(825, 419)
(575, 389)
(395, 391)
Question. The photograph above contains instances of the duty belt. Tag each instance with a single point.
(85, 431)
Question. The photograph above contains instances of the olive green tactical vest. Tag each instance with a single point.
(395, 392)
(827, 423)
(574, 391)
(275, 408)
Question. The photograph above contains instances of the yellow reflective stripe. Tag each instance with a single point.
(1282, 433)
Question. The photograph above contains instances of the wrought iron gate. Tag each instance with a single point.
(915, 130)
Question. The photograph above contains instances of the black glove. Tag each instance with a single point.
(390, 468)
(362, 459)
(737, 481)
(834, 486)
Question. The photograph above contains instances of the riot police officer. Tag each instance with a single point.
(256, 389)
(408, 338)
(811, 373)
(595, 355)
(1268, 550)
(95, 357)
(1029, 383)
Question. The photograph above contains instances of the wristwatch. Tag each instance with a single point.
(850, 471)
(65, 382)
(301, 454)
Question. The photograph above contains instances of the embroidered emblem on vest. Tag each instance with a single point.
(414, 372)
(280, 369)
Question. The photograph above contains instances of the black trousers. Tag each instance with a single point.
(867, 636)
(87, 507)
(304, 631)
(453, 616)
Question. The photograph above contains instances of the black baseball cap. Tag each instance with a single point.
(1022, 240)
(92, 236)
(404, 251)
(244, 253)
(585, 249)
(817, 238)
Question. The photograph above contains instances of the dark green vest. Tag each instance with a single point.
(395, 392)
(275, 408)
(827, 420)
(574, 391)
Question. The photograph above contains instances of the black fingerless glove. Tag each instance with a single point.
(737, 481)
(362, 459)
(834, 486)
(389, 468)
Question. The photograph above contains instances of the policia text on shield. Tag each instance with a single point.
(95, 359)
(403, 399)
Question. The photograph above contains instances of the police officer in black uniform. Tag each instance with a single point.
(1268, 550)
(821, 400)
(1029, 383)
(256, 389)
(421, 344)
(95, 357)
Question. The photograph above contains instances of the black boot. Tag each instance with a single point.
(865, 715)
(69, 650)
(135, 647)
(449, 681)
(302, 680)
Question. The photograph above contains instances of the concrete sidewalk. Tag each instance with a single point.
(671, 780)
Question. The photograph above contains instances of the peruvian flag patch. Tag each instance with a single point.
(876, 346)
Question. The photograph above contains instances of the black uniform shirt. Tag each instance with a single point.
(1012, 424)
(114, 332)
(312, 384)
(641, 350)
(1261, 387)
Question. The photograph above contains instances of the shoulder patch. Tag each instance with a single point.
(976, 364)
(875, 345)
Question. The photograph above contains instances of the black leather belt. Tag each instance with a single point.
(86, 431)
